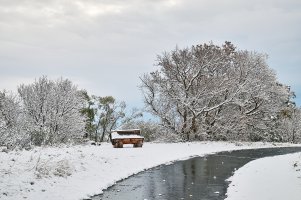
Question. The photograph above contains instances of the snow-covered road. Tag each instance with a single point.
(80, 171)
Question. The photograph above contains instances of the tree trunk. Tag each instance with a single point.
(95, 135)
(102, 136)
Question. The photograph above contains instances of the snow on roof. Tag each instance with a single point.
(125, 130)
(115, 135)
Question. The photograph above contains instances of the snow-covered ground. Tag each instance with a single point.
(80, 171)
(274, 178)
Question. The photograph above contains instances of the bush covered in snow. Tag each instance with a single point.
(46, 112)
(61, 168)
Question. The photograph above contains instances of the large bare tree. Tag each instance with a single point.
(216, 92)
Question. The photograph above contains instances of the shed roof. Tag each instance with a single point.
(115, 135)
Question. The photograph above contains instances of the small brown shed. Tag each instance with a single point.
(130, 136)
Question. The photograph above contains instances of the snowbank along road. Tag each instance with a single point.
(79, 172)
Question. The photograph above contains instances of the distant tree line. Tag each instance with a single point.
(210, 92)
(49, 112)
(205, 92)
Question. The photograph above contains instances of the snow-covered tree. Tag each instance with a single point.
(213, 92)
(52, 110)
(11, 121)
(252, 112)
(89, 111)
(296, 126)
(103, 114)
(152, 131)
(287, 126)
(108, 113)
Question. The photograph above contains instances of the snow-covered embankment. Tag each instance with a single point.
(80, 171)
(275, 178)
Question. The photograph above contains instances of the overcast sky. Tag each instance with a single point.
(103, 46)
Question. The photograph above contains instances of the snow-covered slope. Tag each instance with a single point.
(79, 171)
(275, 178)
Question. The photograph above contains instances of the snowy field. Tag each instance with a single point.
(78, 172)
(275, 178)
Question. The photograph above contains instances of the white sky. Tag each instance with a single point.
(105, 45)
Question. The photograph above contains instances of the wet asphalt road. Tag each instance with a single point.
(202, 178)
